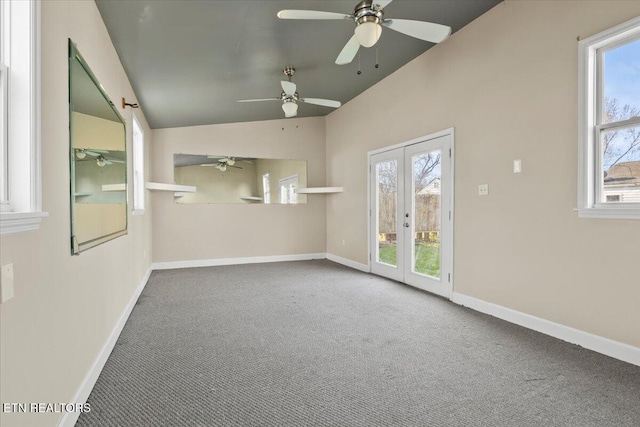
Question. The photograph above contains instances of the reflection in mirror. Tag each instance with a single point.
(234, 179)
(97, 159)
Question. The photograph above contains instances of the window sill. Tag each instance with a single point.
(608, 213)
(137, 212)
(20, 222)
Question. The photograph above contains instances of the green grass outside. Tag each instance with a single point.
(427, 258)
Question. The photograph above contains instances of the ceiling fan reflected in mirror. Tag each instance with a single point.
(103, 161)
(225, 162)
(369, 18)
(290, 98)
(81, 153)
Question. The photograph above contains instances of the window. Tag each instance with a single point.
(4, 203)
(4, 111)
(266, 189)
(288, 186)
(138, 167)
(20, 200)
(609, 133)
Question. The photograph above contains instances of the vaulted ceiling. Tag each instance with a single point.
(190, 61)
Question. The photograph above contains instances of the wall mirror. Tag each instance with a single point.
(236, 179)
(98, 160)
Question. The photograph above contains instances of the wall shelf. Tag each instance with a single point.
(319, 190)
(114, 187)
(251, 198)
(158, 186)
(82, 194)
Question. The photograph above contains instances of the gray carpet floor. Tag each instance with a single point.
(313, 343)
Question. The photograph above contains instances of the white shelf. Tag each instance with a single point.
(251, 198)
(319, 190)
(157, 186)
(114, 187)
(81, 194)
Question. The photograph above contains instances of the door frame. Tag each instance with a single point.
(446, 132)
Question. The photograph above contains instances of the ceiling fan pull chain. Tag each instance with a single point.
(359, 68)
(377, 61)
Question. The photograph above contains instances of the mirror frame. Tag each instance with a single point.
(78, 247)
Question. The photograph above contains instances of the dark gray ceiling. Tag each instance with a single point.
(190, 61)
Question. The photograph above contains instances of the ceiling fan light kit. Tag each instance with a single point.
(101, 161)
(290, 108)
(368, 33)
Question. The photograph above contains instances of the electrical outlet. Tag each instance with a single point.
(483, 189)
(6, 283)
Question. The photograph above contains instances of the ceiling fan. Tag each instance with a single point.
(369, 18)
(225, 162)
(81, 153)
(290, 97)
(102, 161)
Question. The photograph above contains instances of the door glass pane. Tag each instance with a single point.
(621, 165)
(386, 207)
(426, 171)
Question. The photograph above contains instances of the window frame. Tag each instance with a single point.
(137, 145)
(590, 126)
(4, 178)
(4, 107)
(21, 54)
(287, 190)
(266, 188)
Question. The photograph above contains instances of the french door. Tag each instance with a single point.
(411, 218)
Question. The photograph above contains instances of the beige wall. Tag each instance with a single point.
(194, 232)
(65, 306)
(95, 132)
(507, 83)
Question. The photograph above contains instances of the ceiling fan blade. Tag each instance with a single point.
(95, 153)
(288, 87)
(258, 100)
(434, 33)
(323, 102)
(382, 3)
(310, 14)
(349, 51)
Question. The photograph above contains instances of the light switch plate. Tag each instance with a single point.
(517, 166)
(6, 283)
(483, 189)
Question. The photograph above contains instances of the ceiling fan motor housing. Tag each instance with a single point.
(289, 98)
(366, 11)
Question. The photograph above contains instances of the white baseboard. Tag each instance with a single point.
(232, 261)
(615, 349)
(70, 418)
(347, 262)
